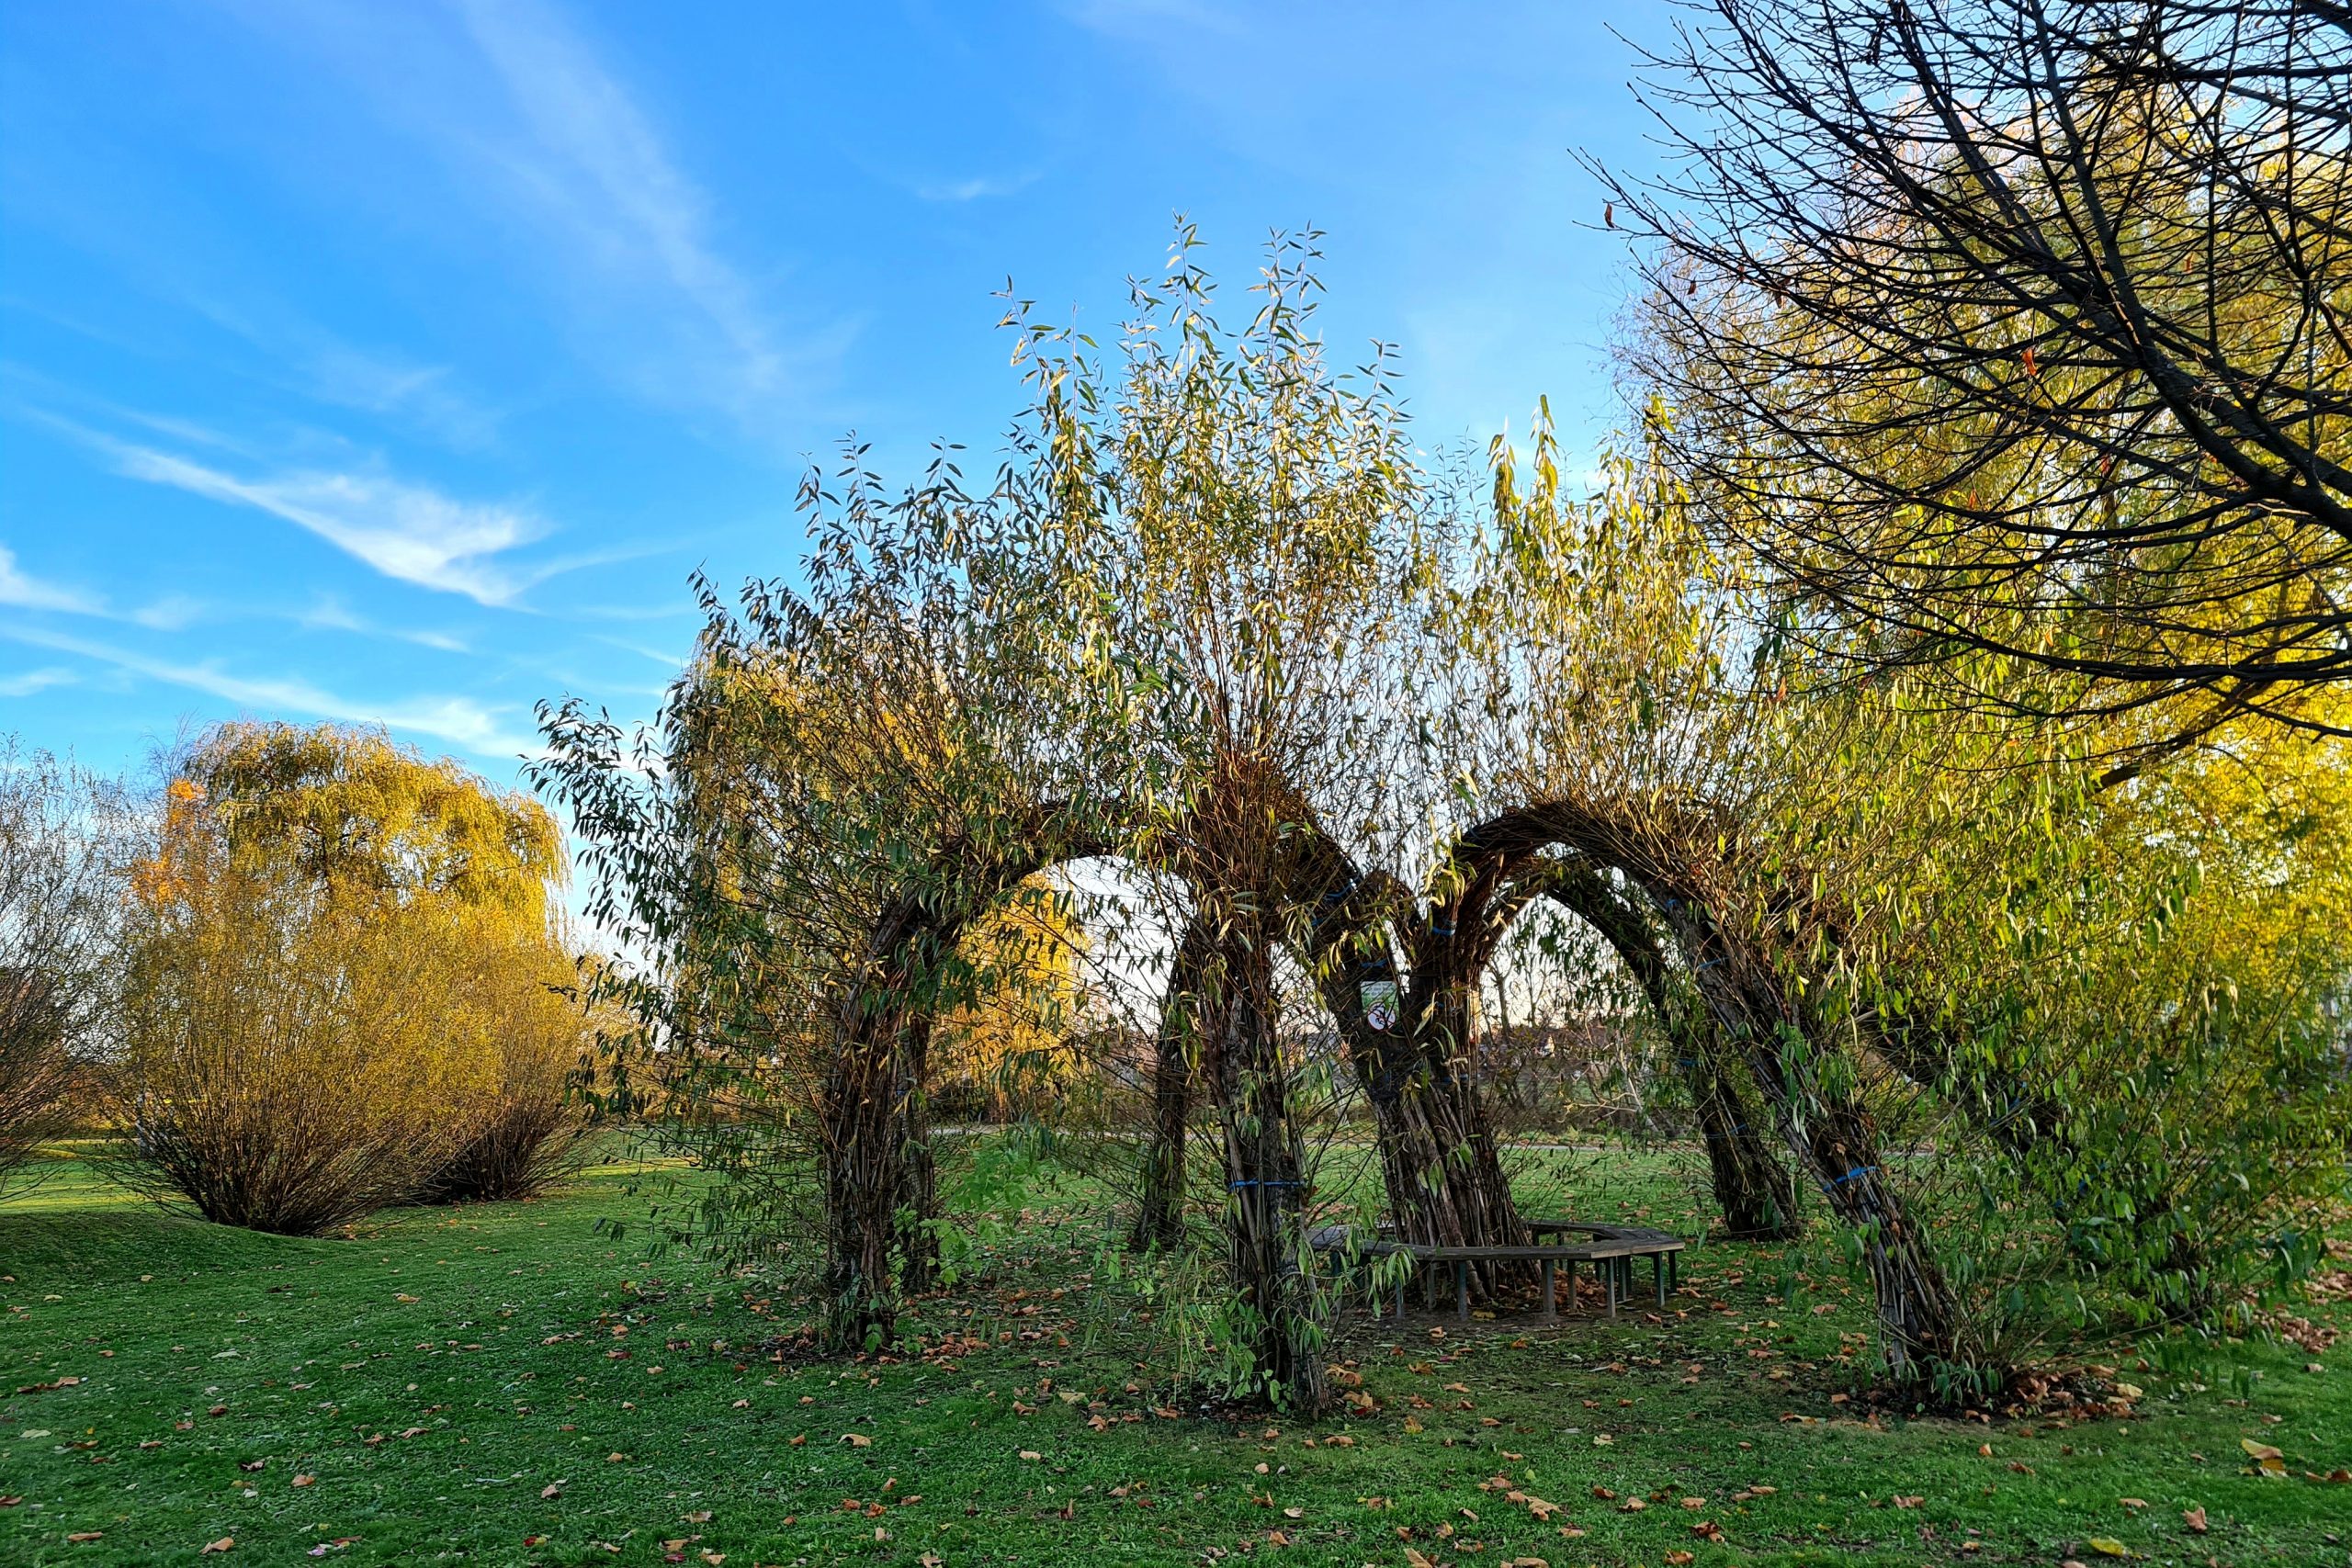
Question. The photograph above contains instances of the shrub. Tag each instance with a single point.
(344, 984)
(524, 1132)
(289, 1060)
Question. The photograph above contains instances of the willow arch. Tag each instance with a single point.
(879, 1191)
(1746, 982)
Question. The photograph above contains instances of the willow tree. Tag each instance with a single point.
(344, 984)
(853, 772)
(1240, 519)
(360, 815)
(1621, 734)
(1917, 927)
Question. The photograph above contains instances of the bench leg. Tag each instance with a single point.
(1461, 1289)
(1429, 1289)
(1658, 1277)
(1609, 1269)
(1551, 1304)
(1400, 1298)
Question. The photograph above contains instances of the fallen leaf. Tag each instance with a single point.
(2107, 1546)
(2195, 1520)
(552, 1489)
(858, 1439)
(1031, 1455)
(223, 1544)
(306, 1480)
(80, 1536)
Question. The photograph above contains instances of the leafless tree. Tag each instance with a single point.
(60, 911)
(2013, 334)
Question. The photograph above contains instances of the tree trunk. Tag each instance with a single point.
(918, 1167)
(1755, 1192)
(1438, 1157)
(1918, 1315)
(863, 1180)
(1265, 1177)
(1160, 1222)
(1449, 1189)
(1921, 1322)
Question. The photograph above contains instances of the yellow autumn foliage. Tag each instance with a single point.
(345, 987)
(1009, 1044)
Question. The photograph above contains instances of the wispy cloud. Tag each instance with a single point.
(659, 656)
(299, 354)
(329, 614)
(592, 163)
(404, 530)
(23, 591)
(29, 592)
(546, 143)
(172, 613)
(1152, 18)
(459, 721)
(32, 680)
(975, 189)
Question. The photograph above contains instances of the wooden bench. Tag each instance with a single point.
(1664, 1251)
(1611, 1251)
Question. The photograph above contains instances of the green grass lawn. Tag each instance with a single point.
(505, 1383)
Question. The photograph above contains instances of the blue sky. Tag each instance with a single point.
(397, 362)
